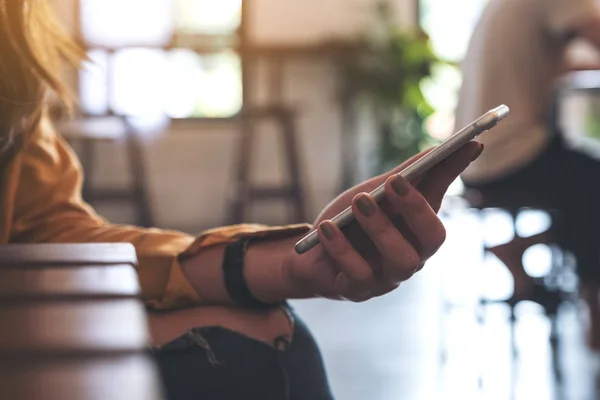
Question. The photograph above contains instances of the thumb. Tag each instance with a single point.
(375, 182)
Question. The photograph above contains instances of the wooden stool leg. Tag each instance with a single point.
(88, 155)
(139, 190)
(554, 346)
(291, 150)
(514, 215)
(242, 183)
(245, 191)
(513, 332)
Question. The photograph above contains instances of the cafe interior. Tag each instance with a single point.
(196, 114)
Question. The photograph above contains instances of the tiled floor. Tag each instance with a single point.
(391, 348)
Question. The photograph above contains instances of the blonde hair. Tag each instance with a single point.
(32, 47)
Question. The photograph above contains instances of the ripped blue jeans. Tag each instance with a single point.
(215, 363)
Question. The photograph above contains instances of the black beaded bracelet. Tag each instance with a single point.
(233, 274)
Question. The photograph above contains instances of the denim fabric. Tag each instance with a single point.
(217, 363)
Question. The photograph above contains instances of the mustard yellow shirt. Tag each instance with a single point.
(41, 202)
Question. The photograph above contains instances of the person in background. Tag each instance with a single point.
(517, 52)
(219, 319)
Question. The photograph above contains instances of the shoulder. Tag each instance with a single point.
(44, 147)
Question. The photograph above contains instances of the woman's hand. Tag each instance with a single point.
(386, 244)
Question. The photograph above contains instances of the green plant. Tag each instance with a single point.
(593, 121)
(388, 75)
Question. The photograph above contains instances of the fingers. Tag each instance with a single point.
(436, 182)
(399, 255)
(356, 276)
(426, 228)
(395, 251)
(401, 259)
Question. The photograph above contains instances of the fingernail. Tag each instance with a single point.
(365, 206)
(400, 186)
(328, 231)
(476, 155)
(341, 282)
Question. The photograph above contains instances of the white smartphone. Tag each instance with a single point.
(419, 167)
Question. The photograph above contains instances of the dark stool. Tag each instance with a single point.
(71, 324)
(88, 133)
(514, 203)
(246, 192)
(549, 290)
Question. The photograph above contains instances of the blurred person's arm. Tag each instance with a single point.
(575, 19)
(579, 66)
(46, 206)
(590, 31)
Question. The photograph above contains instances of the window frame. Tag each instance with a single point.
(204, 45)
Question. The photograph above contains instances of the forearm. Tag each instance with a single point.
(576, 66)
(263, 269)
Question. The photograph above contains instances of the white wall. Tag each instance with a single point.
(190, 170)
(306, 21)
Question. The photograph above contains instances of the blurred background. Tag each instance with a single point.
(193, 114)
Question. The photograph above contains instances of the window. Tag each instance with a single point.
(173, 57)
(220, 17)
(449, 24)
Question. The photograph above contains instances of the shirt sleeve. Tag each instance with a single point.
(48, 207)
(565, 16)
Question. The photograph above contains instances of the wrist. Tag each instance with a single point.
(265, 270)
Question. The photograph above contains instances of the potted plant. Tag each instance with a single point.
(387, 76)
